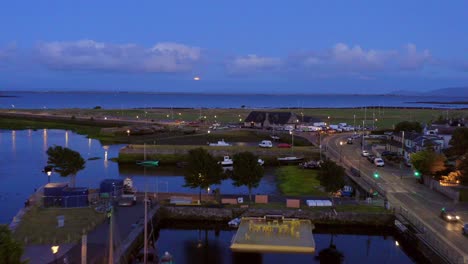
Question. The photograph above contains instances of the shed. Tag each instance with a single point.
(75, 197)
(53, 192)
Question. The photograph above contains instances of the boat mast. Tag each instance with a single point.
(145, 249)
(111, 242)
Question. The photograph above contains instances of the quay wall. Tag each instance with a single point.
(323, 218)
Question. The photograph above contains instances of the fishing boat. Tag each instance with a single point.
(148, 163)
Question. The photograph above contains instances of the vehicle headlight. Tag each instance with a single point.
(449, 217)
(457, 217)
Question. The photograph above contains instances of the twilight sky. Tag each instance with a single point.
(234, 46)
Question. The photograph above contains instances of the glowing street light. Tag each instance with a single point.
(48, 170)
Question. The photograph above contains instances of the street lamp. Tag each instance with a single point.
(55, 250)
(341, 148)
(128, 132)
(292, 139)
(48, 170)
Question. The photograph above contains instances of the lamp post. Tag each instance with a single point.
(55, 249)
(292, 140)
(341, 148)
(48, 170)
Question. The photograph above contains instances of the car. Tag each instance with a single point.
(349, 141)
(126, 201)
(284, 145)
(379, 162)
(388, 153)
(370, 158)
(465, 229)
(449, 215)
(265, 144)
(365, 153)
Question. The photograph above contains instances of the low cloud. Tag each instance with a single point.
(342, 58)
(252, 63)
(91, 55)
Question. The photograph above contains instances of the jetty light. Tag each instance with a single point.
(55, 249)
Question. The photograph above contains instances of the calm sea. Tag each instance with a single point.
(110, 100)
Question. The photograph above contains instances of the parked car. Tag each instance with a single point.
(126, 201)
(449, 215)
(349, 141)
(379, 162)
(265, 144)
(465, 229)
(388, 153)
(284, 145)
(365, 153)
(370, 158)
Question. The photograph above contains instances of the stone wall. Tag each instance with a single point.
(325, 218)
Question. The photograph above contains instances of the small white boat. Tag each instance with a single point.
(220, 143)
(261, 162)
(227, 161)
(234, 223)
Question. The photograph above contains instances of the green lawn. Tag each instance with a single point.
(39, 225)
(295, 181)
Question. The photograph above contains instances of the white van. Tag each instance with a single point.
(265, 144)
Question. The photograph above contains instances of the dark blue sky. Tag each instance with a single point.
(234, 46)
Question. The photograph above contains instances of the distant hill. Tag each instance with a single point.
(450, 92)
(453, 91)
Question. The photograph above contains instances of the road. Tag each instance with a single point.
(402, 189)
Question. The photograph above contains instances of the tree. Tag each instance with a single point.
(459, 141)
(10, 249)
(202, 170)
(66, 162)
(331, 176)
(463, 168)
(428, 162)
(247, 171)
(408, 126)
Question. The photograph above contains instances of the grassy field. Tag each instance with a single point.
(296, 181)
(386, 117)
(381, 117)
(39, 225)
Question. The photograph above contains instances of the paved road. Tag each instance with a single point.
(402, 188)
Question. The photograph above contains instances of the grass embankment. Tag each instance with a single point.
(21, 124)
(301, 182)
(39, 225)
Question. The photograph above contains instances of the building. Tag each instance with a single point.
(260, 119)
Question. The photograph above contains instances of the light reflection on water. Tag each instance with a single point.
(191, 245)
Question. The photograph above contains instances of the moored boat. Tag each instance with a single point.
(227, 161)
(148, 163)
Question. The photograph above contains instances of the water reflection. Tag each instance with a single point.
(200, 245)
(173, 180)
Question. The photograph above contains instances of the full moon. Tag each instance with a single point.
(196, 78)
